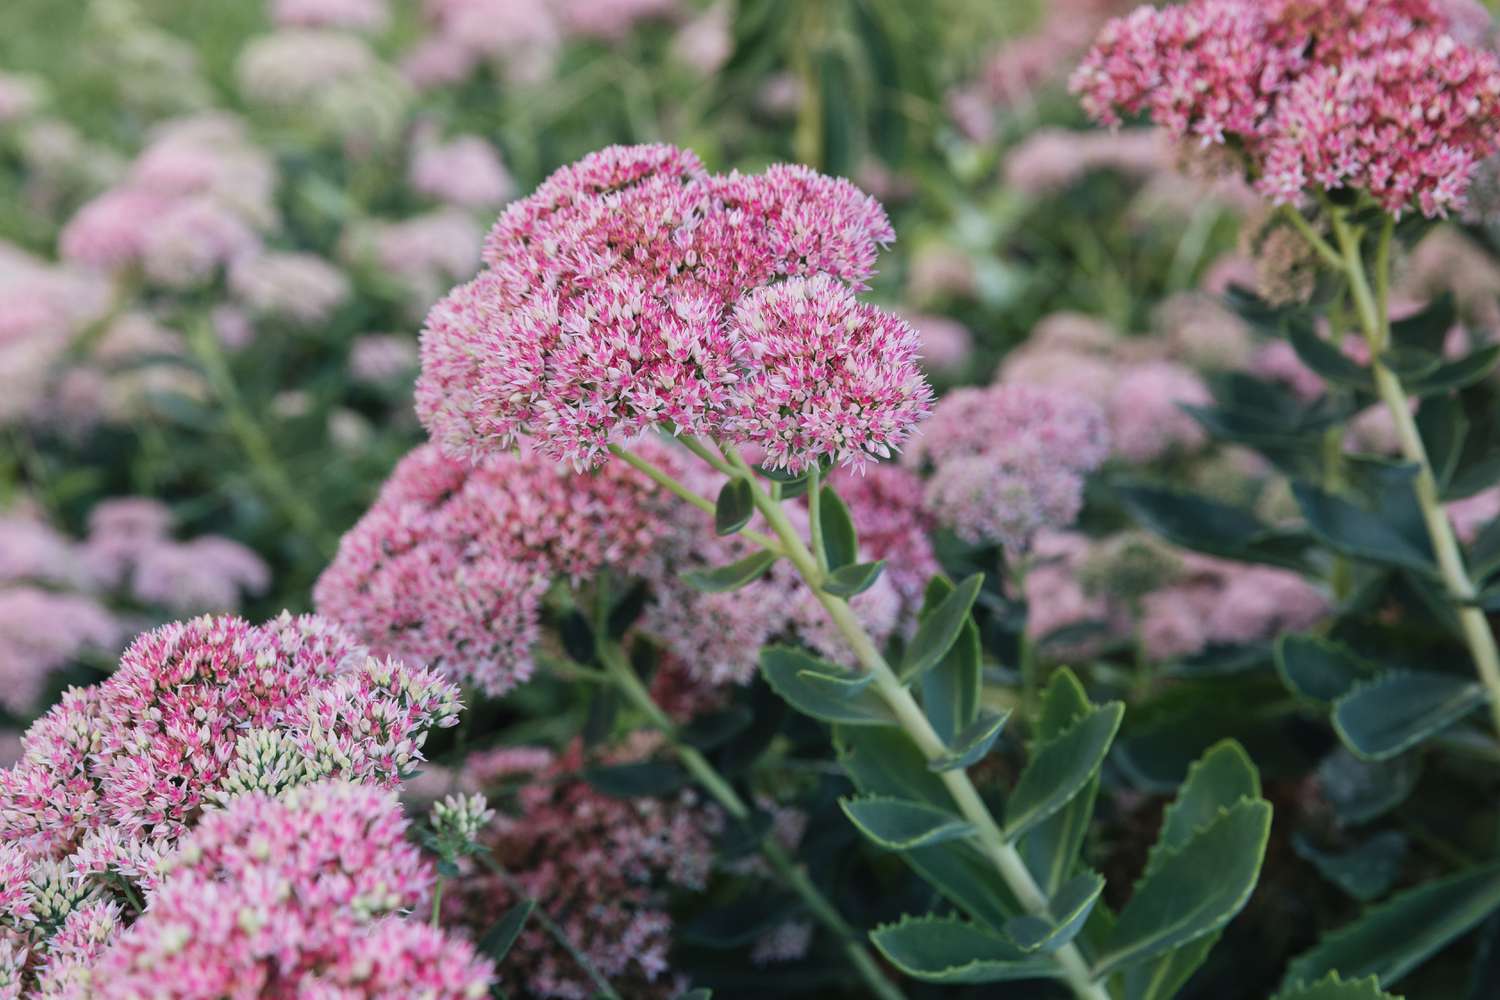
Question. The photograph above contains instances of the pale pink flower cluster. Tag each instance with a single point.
(301, 288)
(1139, 388)
(1051, 159)
(381, 358)
(304, 895)
(195, 200)
(1009, 460)
(449, 565)
(42, 308)
(19, 97)
(422, 255)
(198, 713)
(634, 290)
(603, 867)
(1368, 94)
(465, 171)
(352, 15)
(1473, 514)
(42, 631)
(946, 344)
(292, 65)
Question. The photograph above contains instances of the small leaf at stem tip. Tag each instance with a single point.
(731, 577)
(939, 628)
(1070, 908)
(735, 507)
(1060, 767)
(901, 825)
(972, 744)
(848, 581)
(821, 690)
(498, 940)
(951, 950)
(840, 541)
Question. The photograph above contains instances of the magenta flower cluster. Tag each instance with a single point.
(1368, 94)
(1009, 460)
(634, 290)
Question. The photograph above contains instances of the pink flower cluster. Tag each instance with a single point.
(603, 867)
(1009, 461)
(449, 565)
(302, 895)
(1368, 94)
(465, 171)
(199, 713)
(196, 200)
(352, 15)
(634, 290)
(422, 255)
(42, 308)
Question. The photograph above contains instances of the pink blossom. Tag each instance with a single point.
(422, 254)
(301, 895)
(354, 15)
(378, 358)
(602, 867)
(465, 171)
(300, 287)
(42, 631)
(1350, 93)
(610, 20)
(633, 290)
(208, 573)
(293, 64)
(946, 345)
(1146, 415)
(1472, 514)
(1050, 160)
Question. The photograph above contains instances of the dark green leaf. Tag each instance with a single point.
(1360, 533)
(1444, 428)
(716, 729)
(856, 579)
(731, 577)
(1331, 987)
(1194, 890)
(950, 690)
(971, 745)
(739, 922)
(628, 781)
(1051, 848)
(1327, 360)
(822, 690)
(1426, 330)
(1391, 939)
(1366, 871)
(735, 507)
(1060, 767)
(840, 543)
(941, 623)
(1070, 908)
(953, 951)
(1456, 374)
(1318, 668)
(497, 941)
(1362, 790)
(1196, 522)
(1400, 709)
(900, 824)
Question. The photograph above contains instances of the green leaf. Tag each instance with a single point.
(1051, 848)
(846, 581)
(735, 507)
(900, 824)
(1444, 428)
(1366, 871)
(1331, 987)
(952, 951)
(1070, 908)
(940, 625)
(821, 690)
(1426, 330)
(1360, 533)
(1456, 374)
(951, 690)
(640, 780)
(1400, 709)
(498, 940)
(971, 745)
(1318, 668)
(1194, 890)
(1060, 768)
(731, 577)
(1327, 360)
(1205, 525)
(1362, 790)
(1215, 782)
(1391, 939)
(701, 993)
(840, 542)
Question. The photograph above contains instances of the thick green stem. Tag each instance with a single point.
(988, 836)
(626, 681)
(437, 902)
(1373, 308)
(815, 517)
(673, 486)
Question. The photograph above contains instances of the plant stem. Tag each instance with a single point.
(988, 835)
(252, 438)
(815, 518)
(626, 681)
(539, 914)
(437, 901)
(1373, 308)
(673, 486)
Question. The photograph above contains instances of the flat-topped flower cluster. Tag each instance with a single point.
(1376, 95)
(634, 290)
